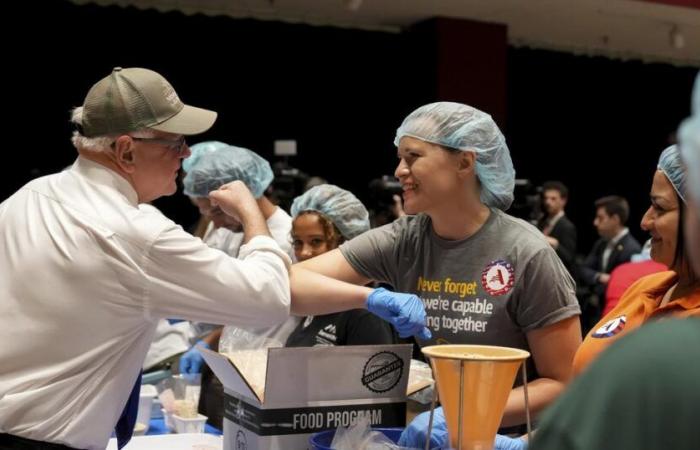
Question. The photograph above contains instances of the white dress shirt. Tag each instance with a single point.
(552, 222)
(607, 251)
(170, 339)
(280, 226)
(85, 275)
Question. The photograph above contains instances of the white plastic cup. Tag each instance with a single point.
(168, 420)
(194, 425)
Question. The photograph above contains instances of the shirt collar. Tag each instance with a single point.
(553, 221)
(103, 175)
(618, 237)
(666, 281)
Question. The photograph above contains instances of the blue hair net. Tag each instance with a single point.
(198, 150)
(671, 165)
(689, 134)
(218, 165)
(465, 128)
(340, 207)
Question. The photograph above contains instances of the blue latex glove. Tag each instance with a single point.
(415, 433)
(506, 443)
(191, 361)
(404, 311)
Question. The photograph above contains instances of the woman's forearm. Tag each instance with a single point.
(541, 393)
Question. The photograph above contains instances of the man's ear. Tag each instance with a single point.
(124, 154)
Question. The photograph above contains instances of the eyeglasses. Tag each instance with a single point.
(176, 145)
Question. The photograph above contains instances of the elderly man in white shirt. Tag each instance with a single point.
(85, 274)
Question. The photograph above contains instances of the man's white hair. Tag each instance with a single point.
(98, 143)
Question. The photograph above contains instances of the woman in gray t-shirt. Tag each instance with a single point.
(484, 276)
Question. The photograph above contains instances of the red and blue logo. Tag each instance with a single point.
(498, 277)
(611, 328)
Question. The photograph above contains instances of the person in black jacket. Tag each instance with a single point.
(559, 230)
(615, 246)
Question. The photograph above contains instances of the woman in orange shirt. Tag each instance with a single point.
(675, 292)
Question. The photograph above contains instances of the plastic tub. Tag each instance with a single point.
(184, 425)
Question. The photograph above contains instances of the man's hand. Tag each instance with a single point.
(236, 200)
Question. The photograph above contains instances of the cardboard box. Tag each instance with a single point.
(311, 389)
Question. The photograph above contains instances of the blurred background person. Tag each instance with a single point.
(615, 246)
(556, 226)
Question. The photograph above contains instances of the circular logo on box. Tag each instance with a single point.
(382, 372)
(498, 277)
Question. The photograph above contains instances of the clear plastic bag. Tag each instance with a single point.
(420, 382)
(360, 436)
(248, 351)
(180, 394)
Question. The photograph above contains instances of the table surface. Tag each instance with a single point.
(157, 426)
(200, 441)
(158, 437)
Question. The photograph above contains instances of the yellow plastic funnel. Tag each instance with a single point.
(473, 383)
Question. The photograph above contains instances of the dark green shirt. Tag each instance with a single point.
(641, 393)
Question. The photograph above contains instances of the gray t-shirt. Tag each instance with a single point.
(490, 288)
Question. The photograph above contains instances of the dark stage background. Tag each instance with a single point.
(596, 124)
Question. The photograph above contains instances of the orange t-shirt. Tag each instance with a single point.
(637, 305)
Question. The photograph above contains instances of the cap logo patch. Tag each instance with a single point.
(170, 94)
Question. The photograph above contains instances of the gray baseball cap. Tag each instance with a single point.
(135, 98)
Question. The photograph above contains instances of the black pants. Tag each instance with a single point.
(10, 442)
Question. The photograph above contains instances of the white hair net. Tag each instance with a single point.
(341, 207)
(218, 165)
(465, 128)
